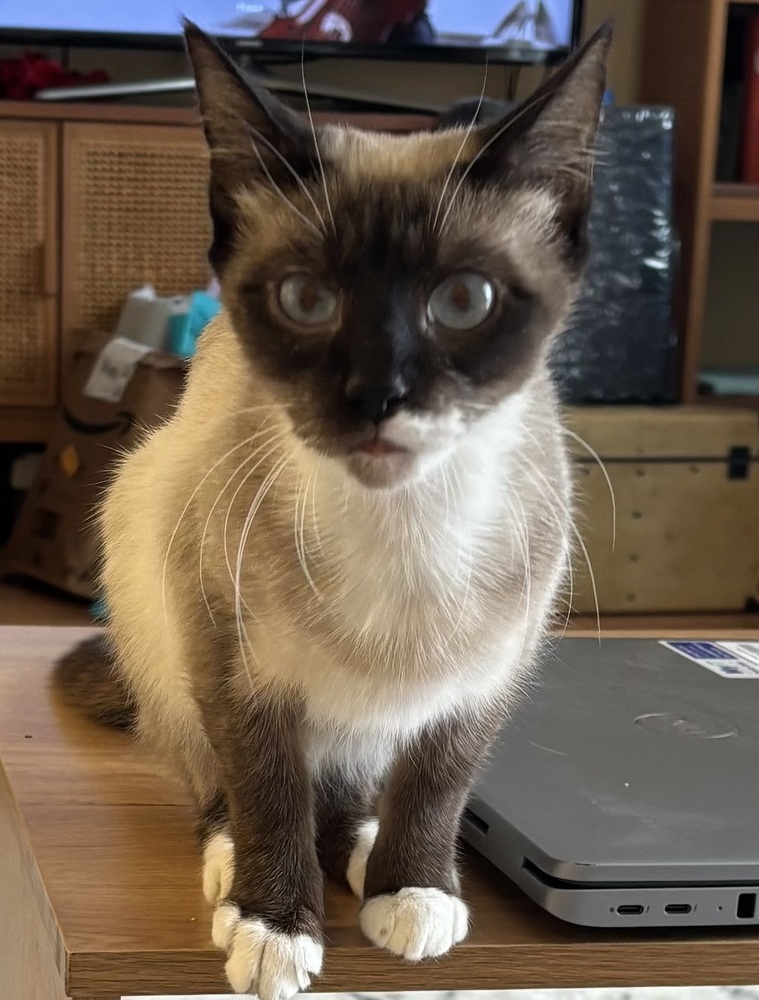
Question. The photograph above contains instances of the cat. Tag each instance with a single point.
(328, 575)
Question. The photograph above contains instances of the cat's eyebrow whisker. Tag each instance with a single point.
(313, 132)
(281, 193)
(525, 109)
(494, 138)
(464, 141)
(286, 163)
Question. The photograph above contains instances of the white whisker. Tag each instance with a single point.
(596, 457)
(184, 512)
(464, 141)
(575, 531)
(285, 162)
(239, 468)
(270, 445)
(300, 543)
(254, 507)
(281, 193)
(494, 138)
(313, 132)
(314, 522)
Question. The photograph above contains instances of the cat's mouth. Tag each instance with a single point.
(380, 447)
(381, 462)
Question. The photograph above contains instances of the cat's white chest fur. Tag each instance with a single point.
(401, 577)
(402, 567)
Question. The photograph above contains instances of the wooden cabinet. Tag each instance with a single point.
(28, 264)
(95, 201)
(134, 212)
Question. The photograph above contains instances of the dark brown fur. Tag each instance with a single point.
(89, 679)
(421, 806)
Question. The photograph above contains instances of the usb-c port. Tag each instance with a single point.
(630, 909)
(678, 908)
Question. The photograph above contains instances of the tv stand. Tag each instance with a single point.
(258, 74)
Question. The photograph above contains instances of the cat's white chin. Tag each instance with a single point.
(385, 471)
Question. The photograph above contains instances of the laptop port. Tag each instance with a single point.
(746, 906)
(678, 908)
(476, 821)
(630, 909)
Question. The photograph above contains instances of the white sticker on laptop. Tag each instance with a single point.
(733, 660)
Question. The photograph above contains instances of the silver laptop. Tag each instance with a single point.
(624, 791)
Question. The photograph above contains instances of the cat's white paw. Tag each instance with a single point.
(218, 867)
(415, 923)
(356, 873)
(268, 963)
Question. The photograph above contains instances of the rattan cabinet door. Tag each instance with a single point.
(28, 263)
(134, 212)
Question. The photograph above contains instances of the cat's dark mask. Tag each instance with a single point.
(379, 281)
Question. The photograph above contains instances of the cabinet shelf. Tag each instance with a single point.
(735, 203)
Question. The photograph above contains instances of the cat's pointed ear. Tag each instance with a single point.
(549, 141)
(253, 137)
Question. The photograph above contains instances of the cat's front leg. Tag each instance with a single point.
(269, 923)
(412, 904)
(345, 828)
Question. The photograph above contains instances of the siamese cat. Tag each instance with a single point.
(329, 573)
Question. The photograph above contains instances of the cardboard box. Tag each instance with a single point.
(54, 539)
(686, 483)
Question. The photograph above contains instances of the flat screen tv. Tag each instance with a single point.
(510, 31)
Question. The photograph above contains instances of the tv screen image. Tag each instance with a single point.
(542, 26)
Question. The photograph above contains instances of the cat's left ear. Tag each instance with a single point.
(253, 137)
(548, 142)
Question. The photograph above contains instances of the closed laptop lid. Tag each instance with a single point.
(631, 760)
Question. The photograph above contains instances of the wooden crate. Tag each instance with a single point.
(686, 483)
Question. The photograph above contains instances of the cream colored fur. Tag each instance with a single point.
(394, 609)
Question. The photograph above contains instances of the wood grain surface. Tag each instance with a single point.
(102, 846)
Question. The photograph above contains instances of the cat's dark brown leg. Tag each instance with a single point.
(212, 828)
(270, 917)
(412, 904)
(345, 828)
(212, 817)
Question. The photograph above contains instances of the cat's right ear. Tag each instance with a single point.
(548, 142)
(253, 137)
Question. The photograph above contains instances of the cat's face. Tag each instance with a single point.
(393, 290)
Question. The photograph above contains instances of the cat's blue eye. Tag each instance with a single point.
(462, 301)
(307, 301)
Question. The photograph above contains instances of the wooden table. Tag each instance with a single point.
(100, 890)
